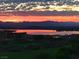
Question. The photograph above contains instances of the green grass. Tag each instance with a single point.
(30, 54)
(32, 43)
(42, 53)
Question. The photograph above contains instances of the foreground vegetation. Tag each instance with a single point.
(61, 47)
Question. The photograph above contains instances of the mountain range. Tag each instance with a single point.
(51, 25)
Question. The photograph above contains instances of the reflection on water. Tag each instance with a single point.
(47, 32)
(42, 32)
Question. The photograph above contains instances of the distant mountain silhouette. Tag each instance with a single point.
(51, 25)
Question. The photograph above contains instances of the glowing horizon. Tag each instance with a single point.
(39, 18)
